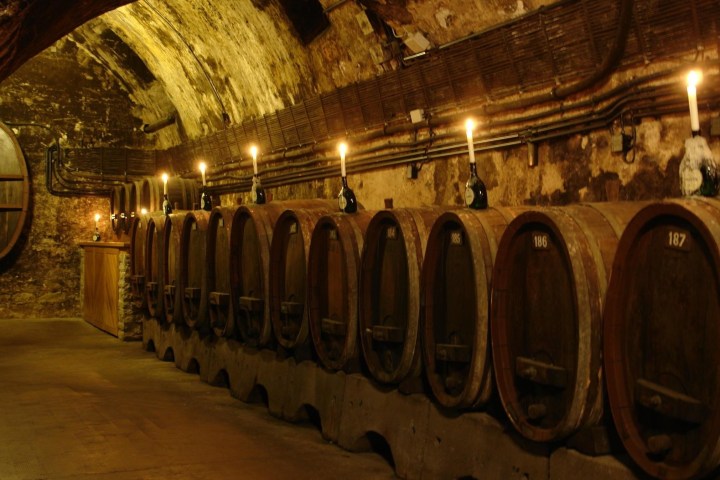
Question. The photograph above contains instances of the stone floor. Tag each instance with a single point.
(79, 404)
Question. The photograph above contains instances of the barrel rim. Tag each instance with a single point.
(227, 214)
(199, 218)
(155, 242)
(618, 396)
(22, 165)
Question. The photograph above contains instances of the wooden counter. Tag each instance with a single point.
(101, 284)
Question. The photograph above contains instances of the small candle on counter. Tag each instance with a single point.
(693, 79)
(254, 152)
(342, 148)
(97, 217)
(165, 180)
(203, 167)
(469, 127)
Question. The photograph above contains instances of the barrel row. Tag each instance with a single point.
(412, 289)
(129, 199)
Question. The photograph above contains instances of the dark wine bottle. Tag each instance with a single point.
(167, 208)
(475, 191)
(205, 201)
(346, 199)
(257, 192)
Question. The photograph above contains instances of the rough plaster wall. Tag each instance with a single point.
(79, 99)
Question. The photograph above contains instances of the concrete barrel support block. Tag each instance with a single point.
(402, 420)
(567, 463)
(273, 375)
(478, 445)
(308, 384)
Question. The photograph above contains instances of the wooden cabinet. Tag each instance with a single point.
(101, 284)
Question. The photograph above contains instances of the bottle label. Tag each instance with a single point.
(469, 196)
(342, 202)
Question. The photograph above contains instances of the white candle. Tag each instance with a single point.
(97, 217)
(254, 152)
(165, 180)
(143, 211)
(693, 79)
(203, 167)
(343, 150)
(469, 127)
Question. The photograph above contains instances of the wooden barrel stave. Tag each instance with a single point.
(193, 269)
(457, 270)
(333, 277)
(661, 330)
(220, 305)
(154, 268)
(117, 205)
(138, 232)
(550, 267)
(390, 293)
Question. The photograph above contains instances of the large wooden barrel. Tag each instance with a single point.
(289, 252)
(117, 207)
(142, 198)
(193, 269)
(138, 244)
(389, 312)
(172, 288)
(151, 191)
(129, 211)
(220, 307)
(333, 277)
(455, 289)
(14, 190)
(662, 325)
(250, 239)
(154, 265)
(183, 194)
(549, 283)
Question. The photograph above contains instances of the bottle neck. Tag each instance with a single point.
(695, 133)
(344, 182)
(473, 168)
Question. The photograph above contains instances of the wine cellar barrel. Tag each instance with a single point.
(193, 269)
(172, 293)
(151, 190)
(333, 276)
(138, 244)
(129, 211)
(549, 282)
(389, 312)
(154, 268)
(289, 250)
(662, 324)
(455, 289)
(220, 306)
(117, 206)
(14, 190)
(250, 239)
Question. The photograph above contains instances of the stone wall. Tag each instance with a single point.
(81, 103)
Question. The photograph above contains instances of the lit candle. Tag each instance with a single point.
(469, 127)
(143, 211)
(253, 152)
(693, 79)
(342, 148)
(97, 217)
(165, 180)
(203, 167)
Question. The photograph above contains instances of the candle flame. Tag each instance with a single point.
(254, 151)
(97, 217)
(694, 77)
(469, 126)
(342, 148)
(143, 211)
(203, 167)
(165, 177)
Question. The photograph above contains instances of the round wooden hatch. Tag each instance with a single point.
(14, 190)
(662, 326)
